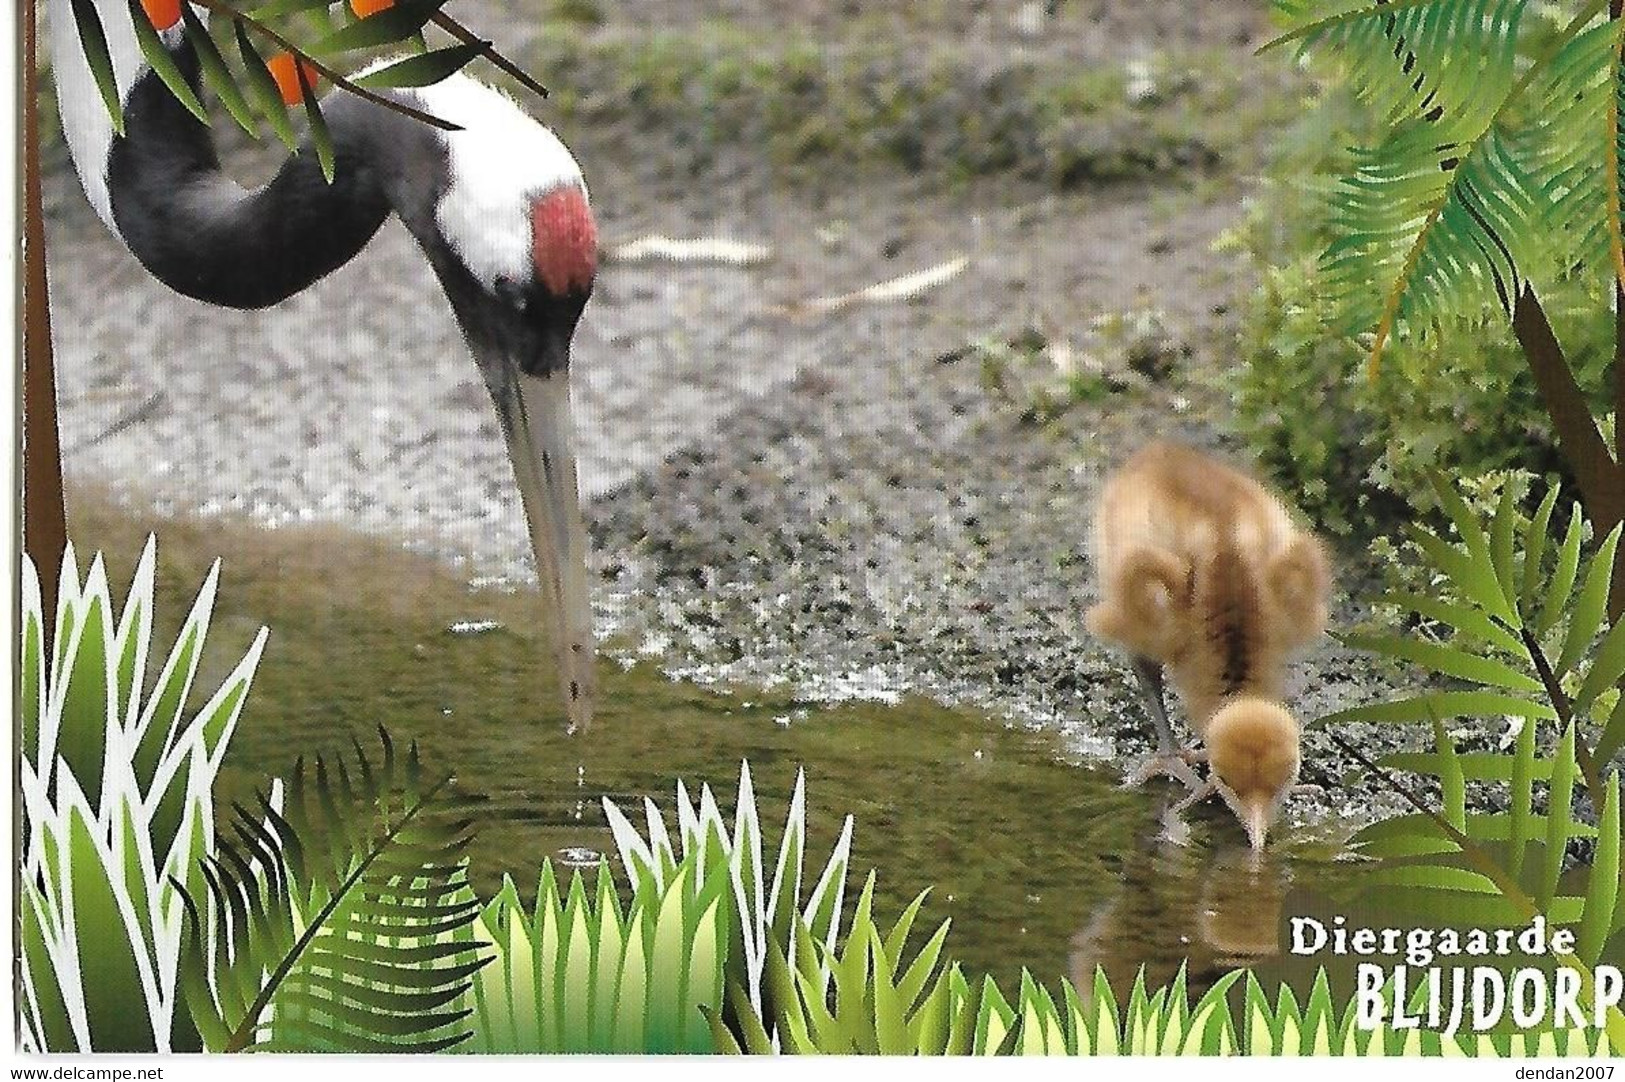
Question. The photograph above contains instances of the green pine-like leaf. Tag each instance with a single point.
(423, 69)
(216, 75)
(1607, 667)
(1612, 738)
(1447, 660)
(1534, 548)
(1602, 892)
(390, 26)
(163, 63)
(1561, 588)
(321, 138)
(261, 89)
(1462, 616)
(1522, 813)
(278, 9)
(93, 39)
(1559, 818)
(1590, 607)
(1444, 704)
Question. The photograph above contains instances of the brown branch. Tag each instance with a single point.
(1565, 709)
(1619, 371)
(1616, 586)
(1601, 481)
(45, 527)
(489, 51)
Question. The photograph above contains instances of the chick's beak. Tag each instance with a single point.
(1255, 817)
(1255, 810)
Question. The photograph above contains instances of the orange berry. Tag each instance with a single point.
(286, 73)
(363, 8)
(163, 14)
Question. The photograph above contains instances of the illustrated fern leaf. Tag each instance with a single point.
(1418, 58)
(1507, 639)
(341, 920)
(1530, 633)
(1489, 176)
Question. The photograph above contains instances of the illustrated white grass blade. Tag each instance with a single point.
(81, 700)
(32, 676)
(96, 871)
(688, 820)
(824, 904)
(217, 720)
(659, 840)
(162, 715)
(67, 604)
(134, 636)
(635, 855)
(119, 986)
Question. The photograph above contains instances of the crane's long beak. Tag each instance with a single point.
(535, 414)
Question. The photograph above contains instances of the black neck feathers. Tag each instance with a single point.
(201, 234)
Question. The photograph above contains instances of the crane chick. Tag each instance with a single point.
(1204, 572)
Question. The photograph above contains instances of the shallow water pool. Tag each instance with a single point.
(1040, 862)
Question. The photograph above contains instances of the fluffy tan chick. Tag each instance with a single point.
(1204, 574)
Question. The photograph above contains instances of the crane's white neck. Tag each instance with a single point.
(85, 123)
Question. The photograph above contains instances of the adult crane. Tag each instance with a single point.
(499, 208)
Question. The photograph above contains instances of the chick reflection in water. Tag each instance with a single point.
(1212, 910)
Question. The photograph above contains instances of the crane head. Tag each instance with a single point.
(513, 240)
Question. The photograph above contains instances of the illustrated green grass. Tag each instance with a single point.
(578, 974)
(118, 810)
(1165, 1023)
(863, 997)
(759, 912)
(338, 916)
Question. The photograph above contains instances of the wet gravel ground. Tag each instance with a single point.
(838, 500)
(900, 530)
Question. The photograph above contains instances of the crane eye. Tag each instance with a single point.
(511, 293)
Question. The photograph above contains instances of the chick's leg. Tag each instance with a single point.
(1198, 794)
(1169, 758)
(1174, 827)
(1149, 673)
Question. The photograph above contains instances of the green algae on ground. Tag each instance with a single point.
(865, 97)
(1040, 863)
